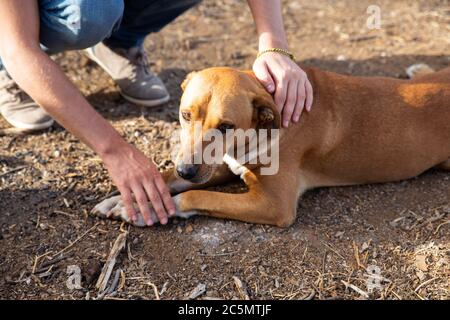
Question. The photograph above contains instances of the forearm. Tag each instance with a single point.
(269, 23)
(45, 82)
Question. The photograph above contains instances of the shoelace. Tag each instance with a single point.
(140, 61)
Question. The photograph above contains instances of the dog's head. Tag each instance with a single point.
(217, 100)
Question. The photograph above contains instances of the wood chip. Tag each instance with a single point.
(241, 288)
(103, 279)
(356, 289)
(198, 291)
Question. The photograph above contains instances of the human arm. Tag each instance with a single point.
(278, 73)
(45, 82)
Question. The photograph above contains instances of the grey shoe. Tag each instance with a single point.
(130, 70)
(18, 108)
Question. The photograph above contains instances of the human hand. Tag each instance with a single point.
(288, 82)
(134, 175)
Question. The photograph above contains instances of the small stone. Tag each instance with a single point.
(277, 283)
(198, 291)
(421, 263)
(339, 234)
(189, 228)
(364, 247)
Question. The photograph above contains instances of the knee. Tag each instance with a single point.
(82, 24)
(93, 22)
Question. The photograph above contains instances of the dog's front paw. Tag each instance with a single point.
(113, 208)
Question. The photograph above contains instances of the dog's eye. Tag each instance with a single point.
(224, 127)
(186, 115)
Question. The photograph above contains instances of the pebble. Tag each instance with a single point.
(189, 228)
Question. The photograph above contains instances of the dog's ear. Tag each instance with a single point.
(266, 113)
(187, 79)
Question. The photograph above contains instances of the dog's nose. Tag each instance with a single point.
(187, 171)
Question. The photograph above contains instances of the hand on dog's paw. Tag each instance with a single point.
(113, 208)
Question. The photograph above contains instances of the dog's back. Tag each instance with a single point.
(377, 129)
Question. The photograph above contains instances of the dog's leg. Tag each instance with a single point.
(270, 199)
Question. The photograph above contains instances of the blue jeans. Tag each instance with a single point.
(80, 24)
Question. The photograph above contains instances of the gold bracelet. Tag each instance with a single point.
(277, 50)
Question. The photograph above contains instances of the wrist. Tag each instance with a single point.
(112, 147)
(268, 41)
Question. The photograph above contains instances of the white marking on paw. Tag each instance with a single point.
(113, 208)
(182, 214)
(104, 207)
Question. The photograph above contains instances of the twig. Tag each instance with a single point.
(13, 170)
(115, 282)
(64, 213)
(439, 226)
(164, 288)
(324, 261)
(70, 188)
(356, 252)
(304, 255)
(424, 284)
(155, 290)
(309, 296)
(49, 263)
(332, 249)
(119, 244)
(418, 295)
(217, 254)
(355, 288)
(122, 280)
(76, 240)
(36, 260)
(241, 288)
(396, 295)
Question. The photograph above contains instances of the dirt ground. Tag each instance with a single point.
(49, 181)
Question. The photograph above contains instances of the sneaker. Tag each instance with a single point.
(18, 108)
(130, 70)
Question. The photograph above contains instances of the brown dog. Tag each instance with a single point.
(360, 130)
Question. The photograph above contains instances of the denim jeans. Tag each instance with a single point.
(80, 24)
